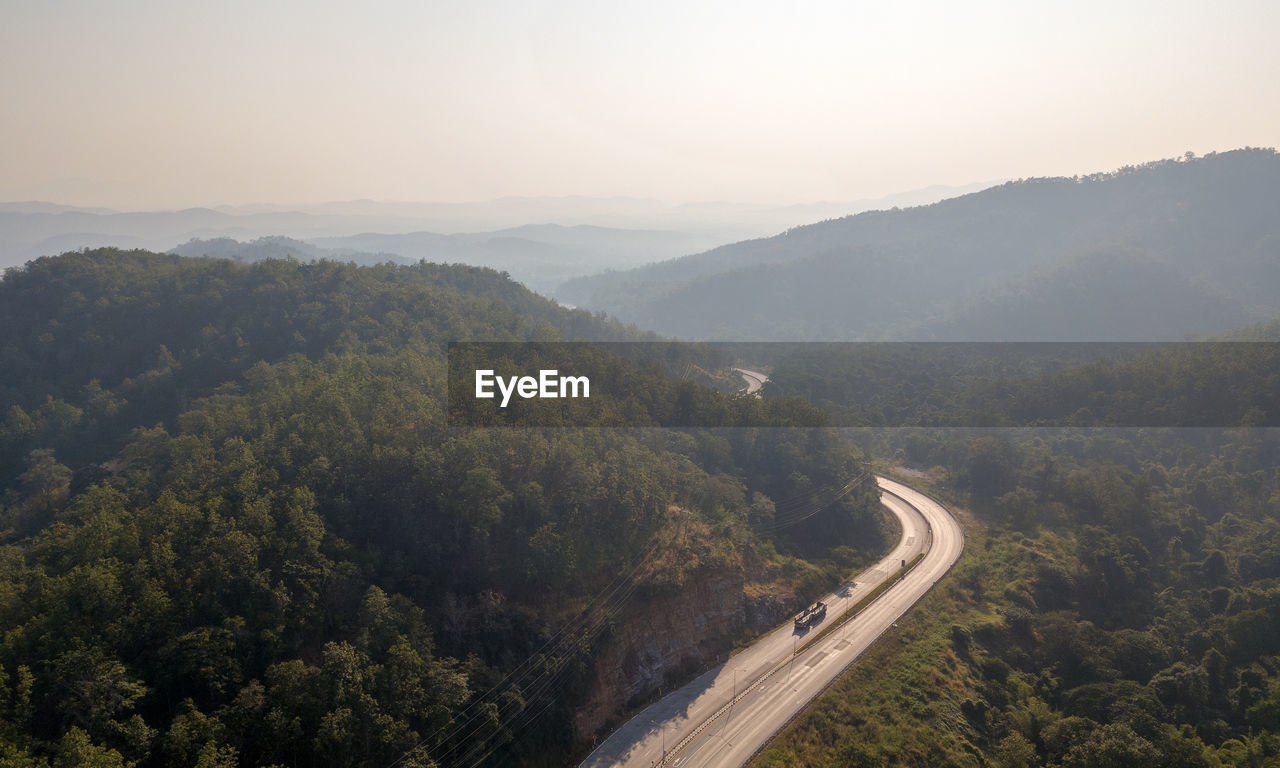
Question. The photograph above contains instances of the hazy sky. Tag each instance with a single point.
(162, 104)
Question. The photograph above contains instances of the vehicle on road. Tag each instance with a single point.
(814, 614)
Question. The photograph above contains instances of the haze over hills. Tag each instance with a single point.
(1159, 251)
(720, 218)
(541, 241)
(539, 256)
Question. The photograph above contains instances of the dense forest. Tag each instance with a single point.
(236, 527)
(1161, 251)
(1221, 383)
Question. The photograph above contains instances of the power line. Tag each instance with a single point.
(797, 510)
(593, 617)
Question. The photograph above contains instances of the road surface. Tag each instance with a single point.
(755, 380)
(728, 714)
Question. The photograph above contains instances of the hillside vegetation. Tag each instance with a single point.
(1192, 384)
(236, 528)
(1116, 605)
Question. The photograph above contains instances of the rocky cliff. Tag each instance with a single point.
(666, 640)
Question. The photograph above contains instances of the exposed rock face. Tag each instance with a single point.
(666, 640)
(661, 641)
(765, 612)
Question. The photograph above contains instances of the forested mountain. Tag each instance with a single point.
(237, 529)
(1158, 251)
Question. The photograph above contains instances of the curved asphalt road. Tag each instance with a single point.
(729, 713)
(755, 380)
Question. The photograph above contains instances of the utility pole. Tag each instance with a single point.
(663, 728)
(793, 657)
(845, 613)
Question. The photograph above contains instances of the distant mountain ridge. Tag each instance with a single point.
(540, 256)
(541, 241)
(1163, 250)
